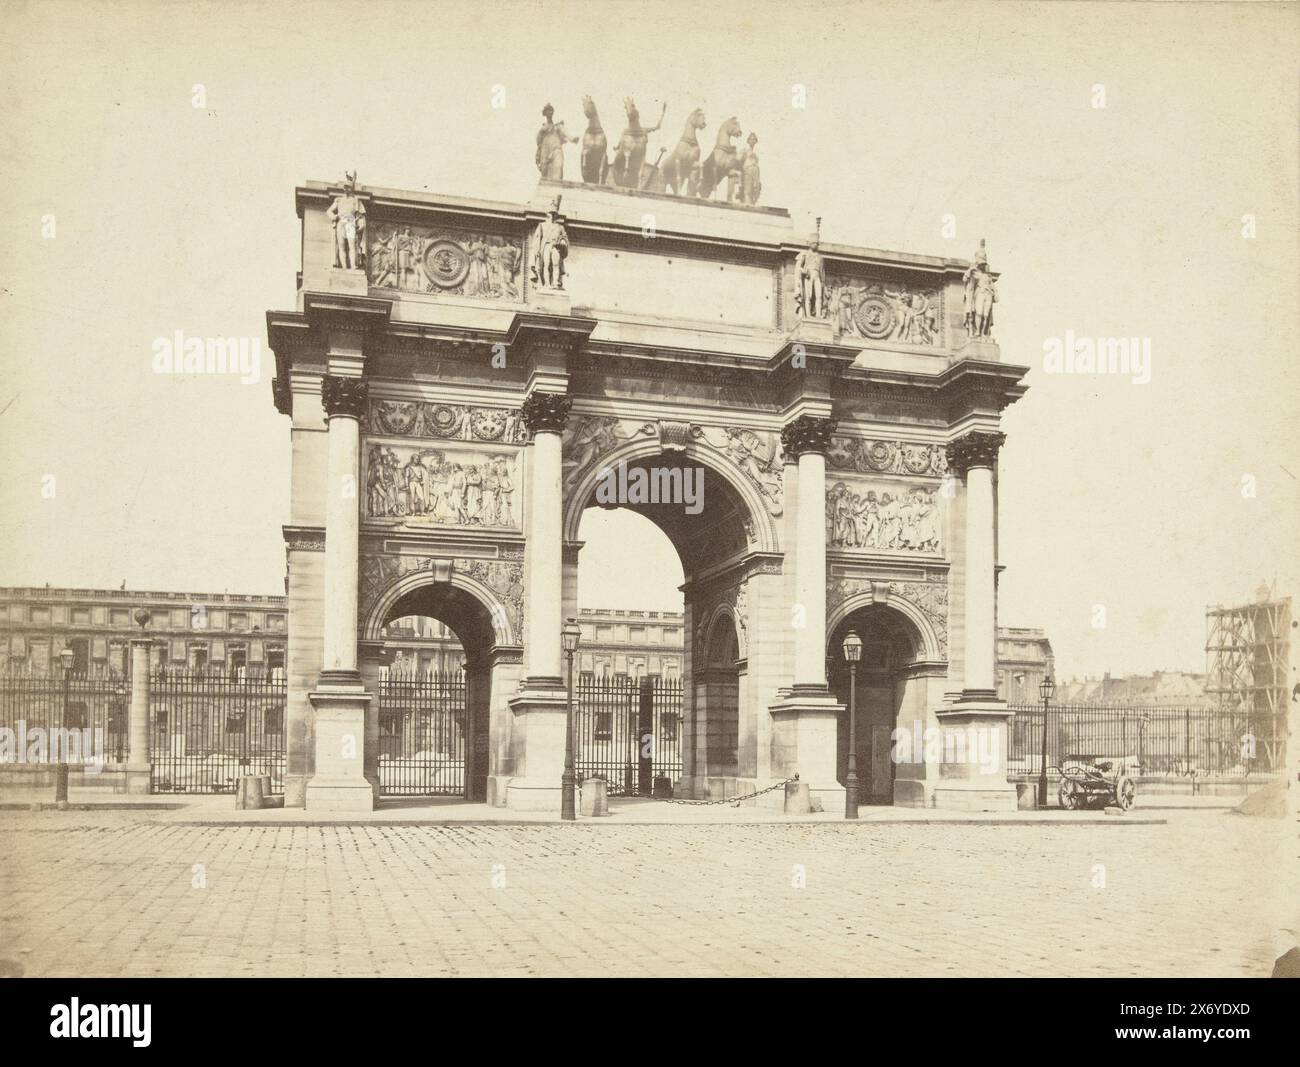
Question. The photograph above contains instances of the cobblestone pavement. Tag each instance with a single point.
(119, 894)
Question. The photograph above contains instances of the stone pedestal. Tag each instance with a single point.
(340, 783)
(541, 716)
(352, 282)
(977, 782)
(551, 301)
(813, 331)
(981, 348)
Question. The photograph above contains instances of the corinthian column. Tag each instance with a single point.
(807, 438)
(805, 717)
(545, 415)
(541, 706)
(979, 781)
(345, 402)
(975, 455)
(340, 699)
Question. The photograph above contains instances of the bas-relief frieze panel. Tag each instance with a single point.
(876, 309)
(455, 486)
(755, 454)
(421, 259)
(876, 515)
(505, 577)
(930, 598)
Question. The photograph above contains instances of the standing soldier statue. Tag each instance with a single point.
(348, 214)
(550, 247)
(810, 271)
(980, 295)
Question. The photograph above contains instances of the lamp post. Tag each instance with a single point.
(66, 658)
(852, 653)
(1045, 689)
(570, 635)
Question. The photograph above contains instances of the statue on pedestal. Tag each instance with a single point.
(348, 214)
(551, 140)
(980, 295)
(550, 248)
(810, 275)
(750, 184)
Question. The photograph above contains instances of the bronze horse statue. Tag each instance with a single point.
(722, 160)
(677, 171)
(595, 165)
(630, 155)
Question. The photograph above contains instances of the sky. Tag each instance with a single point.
(1169, 214)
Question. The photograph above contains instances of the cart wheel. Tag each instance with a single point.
(1068, 794)
(1125, 792)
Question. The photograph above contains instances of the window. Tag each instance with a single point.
(668, 726)
(238, 663)
(273, 720)
(80, 655)
(604, 726)
(76, 718)
(80, 616)
(41, 616)
(235, 722)
(238, 620)
(198, 660)
(119, 617)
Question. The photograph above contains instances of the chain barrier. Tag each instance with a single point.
(706, 803)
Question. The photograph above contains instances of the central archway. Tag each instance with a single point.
(726, 543)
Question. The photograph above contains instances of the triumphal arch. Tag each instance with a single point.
(464, 378)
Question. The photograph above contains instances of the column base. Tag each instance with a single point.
(295, 790)
(340, 783)
(541, 718)
(534, 794)
(139, 779)
(805, 737)
(973, 771)
(953, 797)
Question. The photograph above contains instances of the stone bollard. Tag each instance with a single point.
(798, 801)
(595, 796)
(663, 787)
(1026, 796)
(251, 791)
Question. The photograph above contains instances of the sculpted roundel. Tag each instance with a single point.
(875, 317)
(446, 263)
(488, 424)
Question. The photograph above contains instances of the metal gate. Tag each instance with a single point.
(628, 731)
(206, 730)
(422, 735)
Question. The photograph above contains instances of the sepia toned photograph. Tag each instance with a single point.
(579, 489)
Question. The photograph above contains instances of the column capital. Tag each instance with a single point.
(546, 412)
(344, 396)
(807, 433)
(979, 448)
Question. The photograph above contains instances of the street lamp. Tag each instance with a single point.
(66, 658)
(1045, 689)
(852, 653)
(571, 635)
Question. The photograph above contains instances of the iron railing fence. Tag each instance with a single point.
(422, 719)
(627, 731)
(1162, 742)
(206, 730)
(95, 702)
